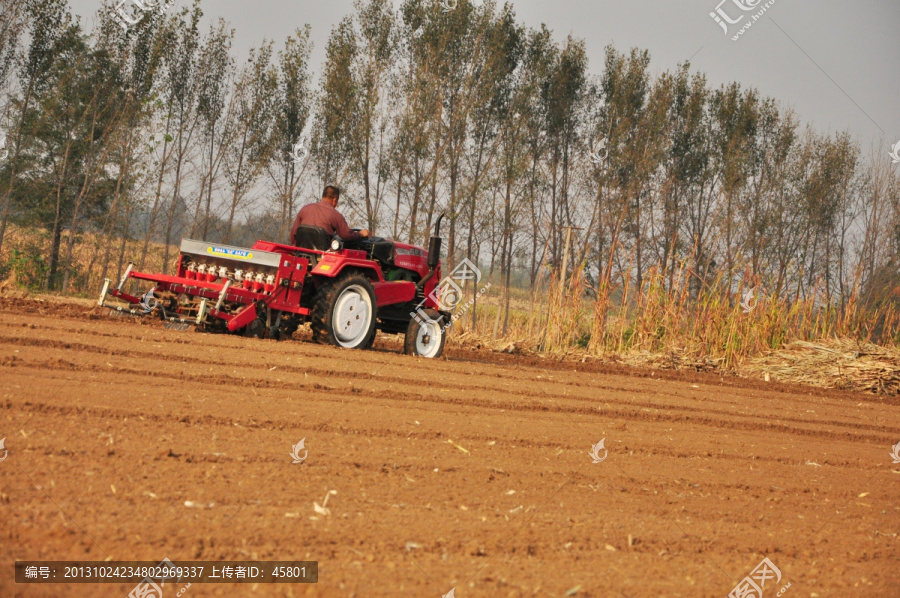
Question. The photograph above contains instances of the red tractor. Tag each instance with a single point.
(345, 290)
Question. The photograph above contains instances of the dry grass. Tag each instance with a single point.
(656, 325)
(28, 249)
(664, 327)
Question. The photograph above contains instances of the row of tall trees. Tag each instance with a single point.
(160, 131)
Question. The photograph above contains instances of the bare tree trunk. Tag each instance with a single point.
(124, 170)
(54, 253)
(122, 247)
(554, 248)
(417, 190)
(210, 183)
(158, 195)
(7, 195)
(397, 211)
(57, 224)
(367, 187)
(183, 147)
(70, 245)
(236, 195)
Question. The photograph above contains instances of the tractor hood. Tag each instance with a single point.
(411, 257)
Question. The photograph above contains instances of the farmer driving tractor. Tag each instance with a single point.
(324, 215)
(346, 295)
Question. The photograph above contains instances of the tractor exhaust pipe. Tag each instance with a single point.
(434, 245)
(434, 253)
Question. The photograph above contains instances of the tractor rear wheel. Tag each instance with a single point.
(425, 336)
(344, 313)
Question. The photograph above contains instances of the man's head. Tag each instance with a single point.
(331, 194)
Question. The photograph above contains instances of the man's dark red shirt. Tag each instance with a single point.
(325, 217)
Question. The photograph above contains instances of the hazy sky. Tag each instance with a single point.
(836, 63)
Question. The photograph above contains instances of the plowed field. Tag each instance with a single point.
(469, 472)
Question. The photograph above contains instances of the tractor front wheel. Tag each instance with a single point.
(344, 313)
(425, 335)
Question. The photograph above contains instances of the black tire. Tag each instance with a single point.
(371, 340)
(256, 329)
(426, 337)
(288, 328)
(277, 331)
(345, 312)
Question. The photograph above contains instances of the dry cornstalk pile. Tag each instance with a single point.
(834, 363)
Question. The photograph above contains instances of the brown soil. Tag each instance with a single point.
(112, 424)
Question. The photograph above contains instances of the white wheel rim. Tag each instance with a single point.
(352, 316)
(428, 339)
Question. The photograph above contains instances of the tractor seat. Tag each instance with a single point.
(311, 237)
